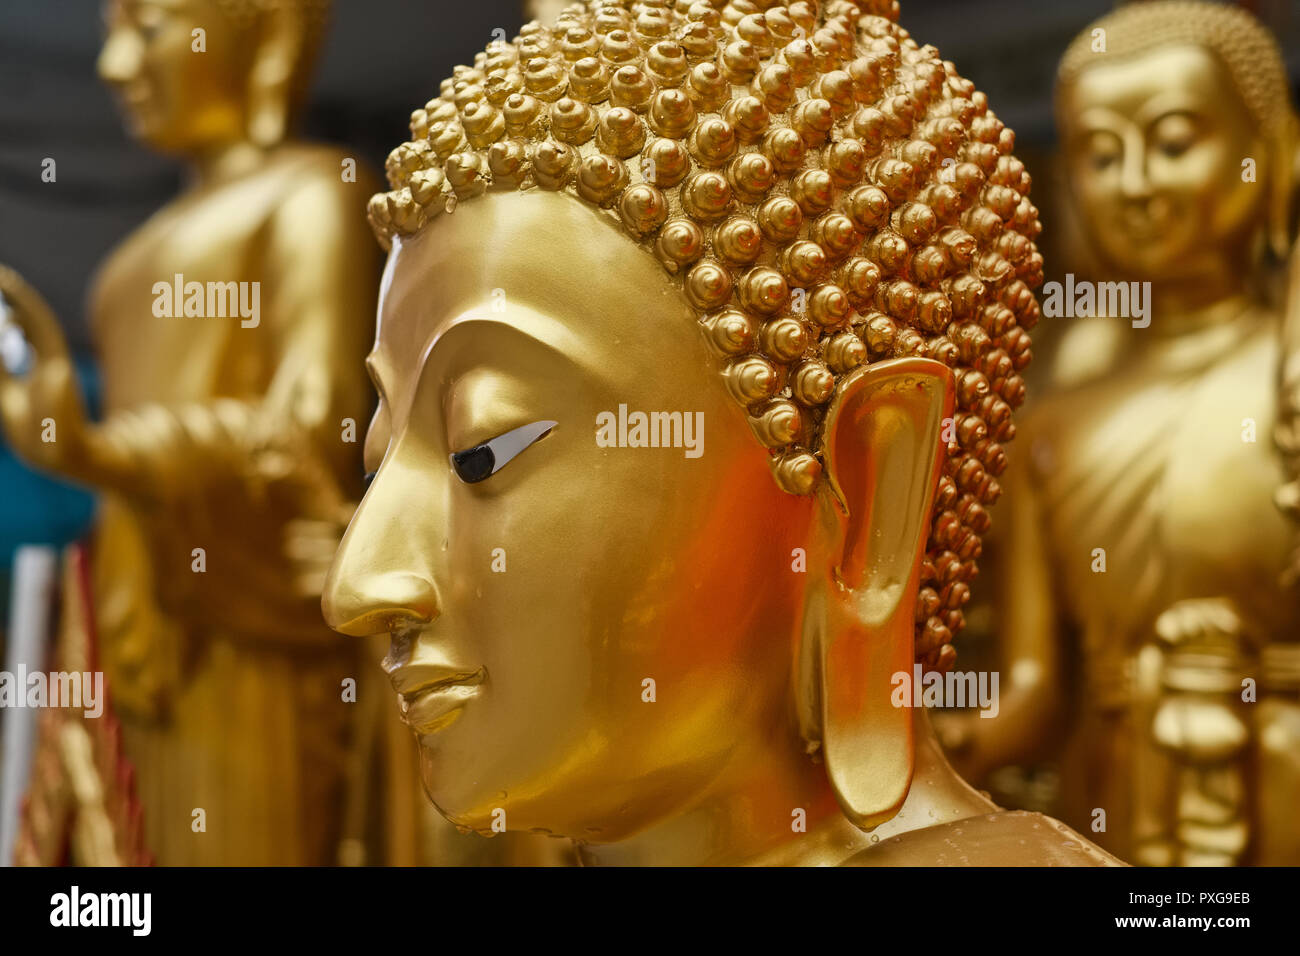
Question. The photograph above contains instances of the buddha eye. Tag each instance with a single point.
(150, 19)
(1103, 150)
(1175, 134)
(482, 461)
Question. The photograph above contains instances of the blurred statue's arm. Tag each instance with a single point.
(318, 291)
(326, 291)
(1029, 655)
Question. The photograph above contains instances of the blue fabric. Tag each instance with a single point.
(36, 508)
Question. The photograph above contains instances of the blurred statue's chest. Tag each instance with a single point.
(1157, 486)
(171, 308)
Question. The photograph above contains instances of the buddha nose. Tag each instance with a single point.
(379, 581)
(1135, 181)
(364, 604)
(119, 60)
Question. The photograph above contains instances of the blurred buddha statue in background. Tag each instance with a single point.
(1142, 550)
(544, 10)
(231, 328)
(698, 343)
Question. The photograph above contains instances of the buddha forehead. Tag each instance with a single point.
(1177, 76)
(523, 272)
(314, 11)
(238, 10)
(1233, 50)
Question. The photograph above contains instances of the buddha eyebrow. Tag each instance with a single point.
(553, 346)
(1191, 114)
(1162, 105)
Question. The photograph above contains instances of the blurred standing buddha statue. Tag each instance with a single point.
(804, 233)
(1142, 532)
(230, 330)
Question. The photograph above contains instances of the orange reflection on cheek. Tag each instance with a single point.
(734, 571)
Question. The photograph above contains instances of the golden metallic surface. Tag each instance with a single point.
(657, 652)
(224, 432)
(906, 150)
(1141, 538)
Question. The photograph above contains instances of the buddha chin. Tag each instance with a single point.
(665, 655)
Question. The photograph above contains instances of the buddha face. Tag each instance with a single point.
(175, 99)
(581, 634)
(1155, 146)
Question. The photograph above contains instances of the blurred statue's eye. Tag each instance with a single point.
(1175, 133)
(482, 461)
(1103, 150)
(150, 19)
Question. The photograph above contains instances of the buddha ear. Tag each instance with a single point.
(270, 80)
(883, 451)
(1284, 162)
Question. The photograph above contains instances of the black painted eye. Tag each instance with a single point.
(474, 465)
(482, 461)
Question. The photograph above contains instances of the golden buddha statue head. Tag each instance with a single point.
(1177, 128)
(196, 75)
(623, 248)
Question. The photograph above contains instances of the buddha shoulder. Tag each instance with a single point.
(318, 162)
(1004, 838)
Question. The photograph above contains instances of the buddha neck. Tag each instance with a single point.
(746, 814)
(1216, 294)
(224, 163)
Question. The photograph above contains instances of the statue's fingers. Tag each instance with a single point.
(1169, 625)
(15, 404)
(30, 312)
(1223, 617)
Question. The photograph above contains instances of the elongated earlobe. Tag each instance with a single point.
(1283, 162)
(884, 452)
(270, 92)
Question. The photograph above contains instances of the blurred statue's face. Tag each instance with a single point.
(1155, 146)
(175, 98)
(529, 610)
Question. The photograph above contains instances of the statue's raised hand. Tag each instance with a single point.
(41, 408)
